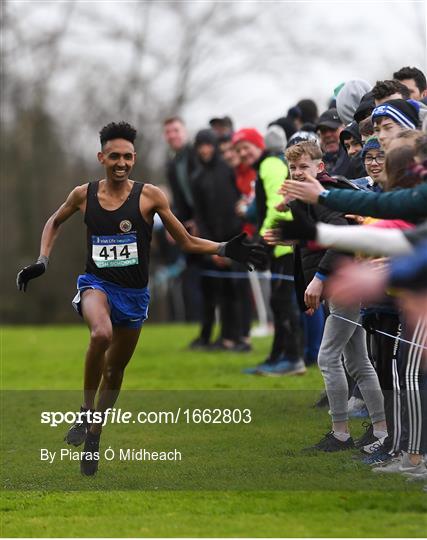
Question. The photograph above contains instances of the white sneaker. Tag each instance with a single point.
(418, 472)
(402, 465)
(392, 466)
(416, 477)
(373, 447)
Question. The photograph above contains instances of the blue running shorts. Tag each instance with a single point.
(129, 307)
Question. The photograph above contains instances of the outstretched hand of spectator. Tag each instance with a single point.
(355, 282)
(302, 227)
(307, 191)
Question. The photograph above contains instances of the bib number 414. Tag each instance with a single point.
(115, 251)
(112, 251)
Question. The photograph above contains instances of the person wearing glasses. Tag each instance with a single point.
(373, 159)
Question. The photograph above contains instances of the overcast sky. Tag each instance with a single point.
(346, 39)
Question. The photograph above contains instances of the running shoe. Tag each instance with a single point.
(373, 447)
(403, 465)
(368, 437)
(90, 455)
(77, 433)
(322, 402)
(416, 476)
(368, 442)
(283, 367)
(242, 347)
(254, 370)
(199, 344)
(329, 443)
(378, 457)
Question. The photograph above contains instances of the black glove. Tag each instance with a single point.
(31, 272)
(301, 228)
(251, 255)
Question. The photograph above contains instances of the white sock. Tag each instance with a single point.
(379, 434)
(341, 436)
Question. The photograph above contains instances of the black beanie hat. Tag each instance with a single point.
(205, 136)
(367, 105)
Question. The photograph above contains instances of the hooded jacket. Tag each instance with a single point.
(356, 167)
(311, 260)
(215, 196)
(349, 98)
(338, 163)
(272, 172)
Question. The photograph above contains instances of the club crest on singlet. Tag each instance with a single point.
(125, 226)
(115, 250)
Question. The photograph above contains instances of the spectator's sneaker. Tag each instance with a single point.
(373, 447)
(329, 443)
(90, 455)
(254, 370)
(416, 472)
(368, 437)
(392, 466)
(417, 475)
(238, 346)
(322, 402)
(199, 344)
(357, 408)
(379, 457)
(402, 465)
(242, 347)
(368, 442)
(76, 435)
(284, 367)
(216, 345)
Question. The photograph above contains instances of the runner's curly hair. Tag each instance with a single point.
(121, 130)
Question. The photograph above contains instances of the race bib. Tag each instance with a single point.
(114, 251)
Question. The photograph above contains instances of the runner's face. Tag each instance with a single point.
(305, 165)
(386, 130)
(118, 157)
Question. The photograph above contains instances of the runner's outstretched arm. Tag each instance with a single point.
(236, 248)
(74, 202)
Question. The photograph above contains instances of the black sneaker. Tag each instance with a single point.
(199, 344)
(90, 455)
(322, 402)
(329, 443)
(77, 433)
(242, 346)
(367, 438)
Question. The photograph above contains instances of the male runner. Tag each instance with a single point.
(112, 295)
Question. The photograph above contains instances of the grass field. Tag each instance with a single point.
(50, 358)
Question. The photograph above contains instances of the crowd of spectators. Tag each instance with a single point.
(340, 201)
